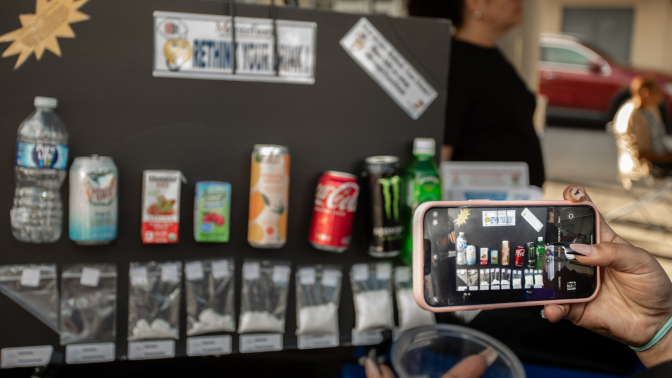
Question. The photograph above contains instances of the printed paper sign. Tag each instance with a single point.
(30, 277)
(531, 219)
(194, 271)
(25, 357)
(387, 67)
(317, 341)
(330, 277)
(208, 345)
(220, 269)
(90, 277)
(150, 350)
(499, 218)
(260, 342)
(89, 353)
(360, 272)
(199, 46)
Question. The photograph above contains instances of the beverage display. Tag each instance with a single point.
(471, 255)
(520, 256)
(494, 257)
(269, 196)
(541, 250)
(334, 211)
(484, 256)
(505, 252)
(382, 193)
(531, 255)
(461, 246)
(40, 168)
(93, 200)
(421, 184)
(212, 206)
(160, 206)
(549, 267)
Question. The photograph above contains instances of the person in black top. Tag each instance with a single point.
(489, 108)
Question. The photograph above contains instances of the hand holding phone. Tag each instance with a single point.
(484, 254)
(636, 296)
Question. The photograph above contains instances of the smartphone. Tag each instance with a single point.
(485, 254)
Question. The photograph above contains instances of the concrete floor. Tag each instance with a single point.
(588, 158)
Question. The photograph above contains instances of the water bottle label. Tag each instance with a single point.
(41, 155)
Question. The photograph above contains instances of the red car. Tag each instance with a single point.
(582, 82)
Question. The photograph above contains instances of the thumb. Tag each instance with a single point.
(621, 257)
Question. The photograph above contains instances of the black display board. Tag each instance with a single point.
(112, 105)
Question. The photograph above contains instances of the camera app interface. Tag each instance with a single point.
(492, 255)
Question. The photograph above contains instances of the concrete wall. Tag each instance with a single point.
(652, 27)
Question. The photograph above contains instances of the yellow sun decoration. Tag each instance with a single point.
(462, 218)
(39, 31)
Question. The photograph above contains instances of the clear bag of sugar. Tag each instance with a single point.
(318, 293)
(264, 296)
(410, 314)
(372, 290)
(210, 296)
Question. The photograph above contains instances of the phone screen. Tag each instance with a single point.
(477, 255)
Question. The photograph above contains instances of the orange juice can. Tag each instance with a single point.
(269, 196)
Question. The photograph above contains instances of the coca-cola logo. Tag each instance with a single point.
(342, 197)
(101, 189)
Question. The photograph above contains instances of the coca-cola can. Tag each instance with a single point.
(334, 211)
(520, 256)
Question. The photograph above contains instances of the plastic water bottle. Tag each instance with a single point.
(461, 244)
(40, 168)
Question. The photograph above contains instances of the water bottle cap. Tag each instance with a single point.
(424, 146)
(541, 238)
(461, 233)
(46, 102)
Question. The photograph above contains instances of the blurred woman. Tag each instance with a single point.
(490, 108)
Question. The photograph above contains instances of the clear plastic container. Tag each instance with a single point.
(430, 351)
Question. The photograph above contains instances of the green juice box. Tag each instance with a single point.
(211, 212)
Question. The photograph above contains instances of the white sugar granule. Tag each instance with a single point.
(159, 329)
(260, 321)
(321, 319)
(211, 321)
(374, 310)
(410, 314)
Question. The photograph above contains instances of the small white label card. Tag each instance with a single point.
(330, 277)
(26, 356)
(360, 272)
(368, 337)
(281, 273)
(251, 271)
(193, 271)
(169, 272)
(260, 342)
(90, 277)
(150, 350)
(307, 276)
(138, 276)
(317, 341)
(220, 269)
(383, 271)
(88, 353)
(531, 219)
(387, 67)
(30, 277)
(208, 345)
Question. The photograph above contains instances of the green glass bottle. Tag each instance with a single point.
(421, 184)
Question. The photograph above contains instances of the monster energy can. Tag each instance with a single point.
(381, 191)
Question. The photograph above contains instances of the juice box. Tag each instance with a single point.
(212, 204)
(160, 206)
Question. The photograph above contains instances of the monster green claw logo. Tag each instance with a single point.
(386, 183)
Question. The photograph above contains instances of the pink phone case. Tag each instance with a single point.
(419, 261)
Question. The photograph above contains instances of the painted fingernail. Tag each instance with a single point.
(542, 313)
(583, 249)
(490, 355)
(578, 194)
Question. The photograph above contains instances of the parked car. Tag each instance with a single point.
(582, 82)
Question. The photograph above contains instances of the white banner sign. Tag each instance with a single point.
(199, 46)
(367, 46)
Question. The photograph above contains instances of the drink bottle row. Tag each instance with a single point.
(532, 254)
(41, 161)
